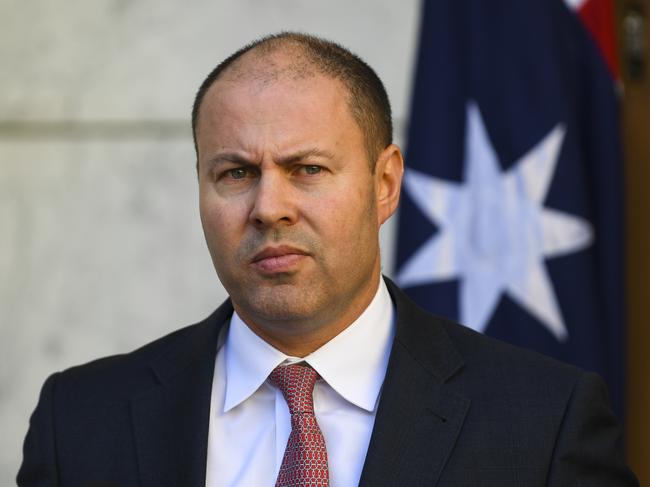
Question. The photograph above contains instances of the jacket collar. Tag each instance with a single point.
(171, 420)
(415, 430)
(418, 419)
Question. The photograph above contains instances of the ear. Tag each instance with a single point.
(389, 170)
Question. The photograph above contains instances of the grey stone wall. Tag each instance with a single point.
(100, 243)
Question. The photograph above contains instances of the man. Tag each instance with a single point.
(317, 371)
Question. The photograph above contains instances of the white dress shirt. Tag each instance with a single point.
(249, 418)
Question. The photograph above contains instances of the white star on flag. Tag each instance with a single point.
(494, 232)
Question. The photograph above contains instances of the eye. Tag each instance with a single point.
(311, 170)
(237, 173)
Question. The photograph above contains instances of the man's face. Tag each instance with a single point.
(288, 202)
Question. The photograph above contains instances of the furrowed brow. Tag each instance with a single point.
(304, 154)
(237, 158)
(227, 157)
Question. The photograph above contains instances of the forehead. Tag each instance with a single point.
(279, 90)
(276, 107)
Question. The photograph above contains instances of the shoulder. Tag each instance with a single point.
(523, 408)
(476, 362)
(120, 376)
(481, 350)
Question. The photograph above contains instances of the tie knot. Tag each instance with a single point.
(297, 385)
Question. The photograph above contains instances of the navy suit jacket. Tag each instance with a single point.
(456, 409)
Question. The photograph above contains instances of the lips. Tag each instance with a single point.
(283, 258)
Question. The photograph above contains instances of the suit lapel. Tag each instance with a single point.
(415, 430)
(418, 420)
(171, 420)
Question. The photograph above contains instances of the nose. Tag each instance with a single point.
(274, 202)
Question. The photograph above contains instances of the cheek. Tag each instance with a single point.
(345, 216)
(219, 222)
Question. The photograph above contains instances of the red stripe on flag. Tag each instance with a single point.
(598, 16)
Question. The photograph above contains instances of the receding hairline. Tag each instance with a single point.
(282, 67)
(303, 56)
(268, 67)
(293, 61)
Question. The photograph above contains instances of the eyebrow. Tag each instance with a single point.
(238, 158)
(305, 154)
(227, 157)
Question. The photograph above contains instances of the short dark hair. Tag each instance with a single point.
(368, 100)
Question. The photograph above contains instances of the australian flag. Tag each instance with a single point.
(511, 219)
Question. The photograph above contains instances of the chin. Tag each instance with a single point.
(284, 303)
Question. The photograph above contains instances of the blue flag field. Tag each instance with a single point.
(511, 219)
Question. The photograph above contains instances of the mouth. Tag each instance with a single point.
(280, 259)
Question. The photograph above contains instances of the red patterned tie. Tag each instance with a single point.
(305, 458)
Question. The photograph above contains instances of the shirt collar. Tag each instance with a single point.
(353, 363)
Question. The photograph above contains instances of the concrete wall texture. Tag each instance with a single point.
(101, 248)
